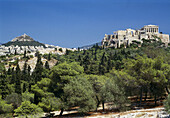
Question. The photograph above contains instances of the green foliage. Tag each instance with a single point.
(40, 90)
(49, 57)
(4, 89)
(2, 68)
(37, 73)
(26, 96)
(70, 69)
(97, 82)
(24, 43)
(4, 107)
(61, 74)
(50, 104)
(18, 80)
(47, 65)
(85, 79)
(167, 104)
(103, 65)
(14, 99)
(124, 80)
(27, 108)
(113, 93)
(79, 92)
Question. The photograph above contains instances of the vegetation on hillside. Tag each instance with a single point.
(24, 43)
(85, 79)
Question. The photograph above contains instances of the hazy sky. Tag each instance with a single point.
(74, 23)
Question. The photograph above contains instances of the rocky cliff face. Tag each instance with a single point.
(22, 38)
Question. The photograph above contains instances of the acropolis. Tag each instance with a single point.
(127, 36)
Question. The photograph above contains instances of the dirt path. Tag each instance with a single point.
(143, 113)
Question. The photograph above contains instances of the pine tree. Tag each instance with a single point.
(15, 53)
(92, 52)
(25, 52)
(95, 55)
(37, 74)
(9, 50)
(9, 71)
(67, 52)
(47, 65)
(86, 63)
(96, 47)
(109, 64)
(24, 87)
(18, 80)
(3, 86)
(29, 69)
(78, 49)
(79, 58)
(84, 52)
(13, 76)
(25, 72)
(29, 73)
(49, 57)
(102, 65)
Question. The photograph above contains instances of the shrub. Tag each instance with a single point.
(14, 99)
(49, 104)
(26, 96)
(4, 107)
(60, 49)
(27, 108)
(167, 104)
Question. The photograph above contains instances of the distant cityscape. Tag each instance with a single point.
(118, 38)
(24, 42)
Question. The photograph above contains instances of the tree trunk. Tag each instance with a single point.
(61, 112)
(140, 97)
(35, 98)
(146, 95)
(137, 99)
(167, 89)
(98, 103)
(103, 105)
(155, 100)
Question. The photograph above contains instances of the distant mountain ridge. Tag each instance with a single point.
(24, 40)
(90, 46)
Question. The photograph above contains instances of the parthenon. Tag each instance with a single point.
(151, 28)
(127, 36)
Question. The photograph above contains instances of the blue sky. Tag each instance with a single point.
(74, 23)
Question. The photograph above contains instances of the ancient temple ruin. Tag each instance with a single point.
(127, 36)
